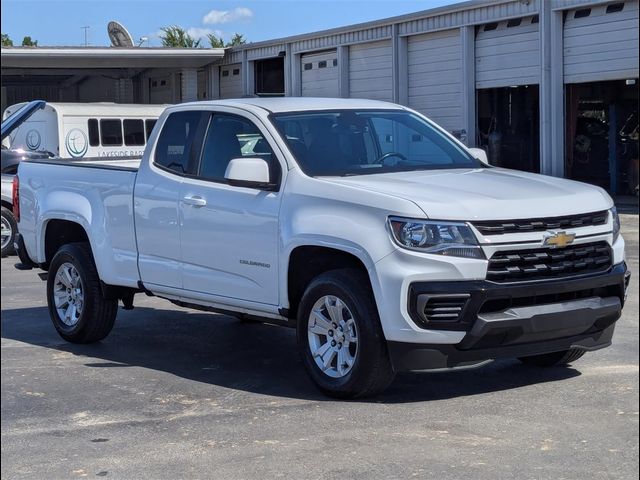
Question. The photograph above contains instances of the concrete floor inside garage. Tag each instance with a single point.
(177, 393)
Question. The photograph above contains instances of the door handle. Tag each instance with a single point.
(194, 201)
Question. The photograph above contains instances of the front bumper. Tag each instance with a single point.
(517, 320)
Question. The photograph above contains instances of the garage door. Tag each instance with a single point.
(231, 81)
(320, 74)
(601, 43)
(161, 89)
(370, 74)
(435, 77)
(508, 53)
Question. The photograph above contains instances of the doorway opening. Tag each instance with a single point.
(269, 77)
(509, 126)
(602, 134)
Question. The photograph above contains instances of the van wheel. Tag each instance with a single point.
(563, 357)
(340, 338)
(9, 230)
(77, 308)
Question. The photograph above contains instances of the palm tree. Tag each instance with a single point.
(175, 36)
(215, 42)
(237, 39)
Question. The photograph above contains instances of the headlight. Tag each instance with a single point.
(441, 238)
(616, 223)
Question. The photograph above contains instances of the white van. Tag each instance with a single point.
(77, 130)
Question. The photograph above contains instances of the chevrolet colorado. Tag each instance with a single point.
(383, 240)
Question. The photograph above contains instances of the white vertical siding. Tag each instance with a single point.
(601, 46)
(320, 74)
(370, 71)
(230, 83)
(435, 77)
(508, 55)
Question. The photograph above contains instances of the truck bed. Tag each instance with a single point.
(98, 196)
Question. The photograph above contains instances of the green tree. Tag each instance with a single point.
(175, 36)
(6, 41)
(237, 39)
(27, 42)
(215, 42)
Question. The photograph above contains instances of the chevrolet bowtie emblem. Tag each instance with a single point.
(558, 239)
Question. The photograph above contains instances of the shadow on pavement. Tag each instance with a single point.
(258, 358)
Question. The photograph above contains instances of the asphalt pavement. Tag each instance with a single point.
(175, 393)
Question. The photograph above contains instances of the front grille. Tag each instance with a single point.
(500, 227)
(543, 263)
(442, 308)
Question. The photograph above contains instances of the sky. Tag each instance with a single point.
(60, 22)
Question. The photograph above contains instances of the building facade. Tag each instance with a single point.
(547, 86)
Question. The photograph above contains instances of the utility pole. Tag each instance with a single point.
(86, 38)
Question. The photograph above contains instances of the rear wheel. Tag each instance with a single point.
(9, 230)
(79, 311)
(563, 357)
(340, 338)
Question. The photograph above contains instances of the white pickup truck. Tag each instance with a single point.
(383, 240)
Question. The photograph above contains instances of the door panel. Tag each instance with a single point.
(157, 197)
(230, 234)
(158, 230)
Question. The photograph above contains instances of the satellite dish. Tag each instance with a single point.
(119, 35)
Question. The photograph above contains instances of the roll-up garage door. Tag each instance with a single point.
(231, 81)
(435, 77)
(370, 74)
(601, 43)
(508, 53)
(320, 74)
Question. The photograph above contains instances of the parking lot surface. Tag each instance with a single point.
(175, 393)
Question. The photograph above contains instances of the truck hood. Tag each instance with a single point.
(485, 194)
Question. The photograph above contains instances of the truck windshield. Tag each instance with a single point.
(350, 142)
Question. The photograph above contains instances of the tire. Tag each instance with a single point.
(73, 265)
(561, 358)
(9, 230)
(363, 368)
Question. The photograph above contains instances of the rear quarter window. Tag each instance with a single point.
(180, 141)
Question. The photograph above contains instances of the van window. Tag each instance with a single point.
(148, 126)
(180, 141)
(111, 133)
(94, 134)
(133, 132)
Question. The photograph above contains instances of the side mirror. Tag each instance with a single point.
(479, 154)
(249, 172)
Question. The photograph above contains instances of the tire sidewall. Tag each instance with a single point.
(73, 255)
(368, 336)
(6, 213)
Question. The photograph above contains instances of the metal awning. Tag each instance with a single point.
(107, 57)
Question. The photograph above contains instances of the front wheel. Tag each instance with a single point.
(9, 230)
(340, 338)
(79, 311)
(561, 358)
